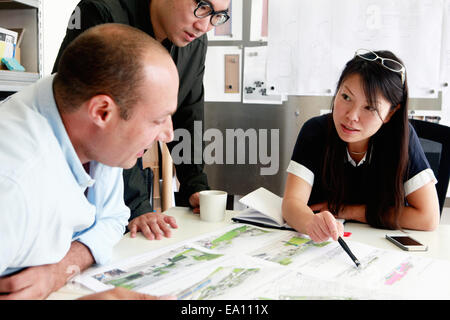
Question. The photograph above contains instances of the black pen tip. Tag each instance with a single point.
(357, 263)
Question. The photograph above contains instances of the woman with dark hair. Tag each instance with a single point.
(363, 161)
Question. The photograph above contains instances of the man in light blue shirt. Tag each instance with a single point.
(63, 144)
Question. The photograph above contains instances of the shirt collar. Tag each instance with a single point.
(352, 162)
(46, 106)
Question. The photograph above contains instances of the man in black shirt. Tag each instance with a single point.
(180, 25)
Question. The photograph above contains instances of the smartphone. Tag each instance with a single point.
(407, 243)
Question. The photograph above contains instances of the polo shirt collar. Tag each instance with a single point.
(46, 106)
(353, 163)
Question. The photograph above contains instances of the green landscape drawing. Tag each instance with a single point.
(149, 272)
(217, 283)
(226, 240)
(285, 251)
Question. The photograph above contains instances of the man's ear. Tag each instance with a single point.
(391, 113)
(101, 109)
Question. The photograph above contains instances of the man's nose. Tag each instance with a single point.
(166, 135)
(203, 25)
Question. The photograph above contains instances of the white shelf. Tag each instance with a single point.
(23, 14)
(16, 81)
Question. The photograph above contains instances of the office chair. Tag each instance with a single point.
(435, 141)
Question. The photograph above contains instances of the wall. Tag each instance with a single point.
(288, 118)
(55, 18)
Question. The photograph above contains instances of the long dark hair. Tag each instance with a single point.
(388, 148)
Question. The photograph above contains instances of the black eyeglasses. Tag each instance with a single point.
(205, 9)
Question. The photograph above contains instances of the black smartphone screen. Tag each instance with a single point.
(406, 241)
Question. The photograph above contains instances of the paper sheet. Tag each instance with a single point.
(445, 67)
(259, 20)
(310, 41)
(297, 286)
(237, 239)
(445, 50)
(214, 79)
(266, 202)
(255, 88)
(245, 262)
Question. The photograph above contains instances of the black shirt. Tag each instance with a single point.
(309, 151)
(190, 62)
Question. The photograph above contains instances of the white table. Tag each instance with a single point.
(190, 226)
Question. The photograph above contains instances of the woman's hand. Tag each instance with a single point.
(323, 226)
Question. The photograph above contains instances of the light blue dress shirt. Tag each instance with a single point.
(43, 207)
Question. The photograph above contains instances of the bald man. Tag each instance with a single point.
(63, 144)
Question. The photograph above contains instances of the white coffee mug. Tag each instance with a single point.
(212, 205)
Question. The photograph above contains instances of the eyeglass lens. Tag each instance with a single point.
(366, 54)
(393, 65)
(218, 19)
(388, 63)
(203, 10)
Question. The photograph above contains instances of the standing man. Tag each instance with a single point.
(181, 27)
(63, 142)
